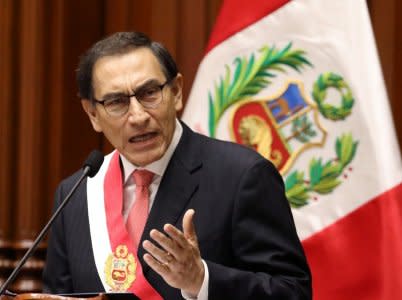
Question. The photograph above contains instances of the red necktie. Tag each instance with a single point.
(139, 212)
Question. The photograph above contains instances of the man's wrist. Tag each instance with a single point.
(196, 286)
(202, 293)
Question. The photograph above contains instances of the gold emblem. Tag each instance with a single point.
(255, 132)
(120, 268)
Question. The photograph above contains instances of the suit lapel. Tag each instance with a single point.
(178, 185)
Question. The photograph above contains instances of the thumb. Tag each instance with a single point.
(188, 226)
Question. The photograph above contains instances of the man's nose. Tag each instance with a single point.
(136, 111)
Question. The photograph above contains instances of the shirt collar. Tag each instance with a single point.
(157, 167)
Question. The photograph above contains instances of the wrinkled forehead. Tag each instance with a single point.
(135, 60)
(128, 69)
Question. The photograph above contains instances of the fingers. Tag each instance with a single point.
(176, 235)
(175, 240)
(175, 255)
(188, 225)
(161, 255)
(167, 243)
(156, 265)
(173, 243)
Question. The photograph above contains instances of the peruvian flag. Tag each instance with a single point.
(300, 82)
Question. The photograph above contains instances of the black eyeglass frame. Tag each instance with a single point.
(154, 105)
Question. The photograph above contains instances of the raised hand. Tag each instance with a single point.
(176, 256)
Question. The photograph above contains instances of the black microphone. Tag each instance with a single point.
(93, 163)
(91, 166)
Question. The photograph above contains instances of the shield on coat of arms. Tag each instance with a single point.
(279, 128)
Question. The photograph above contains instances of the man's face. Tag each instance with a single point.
(141, 135)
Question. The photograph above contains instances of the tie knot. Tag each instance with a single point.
(143, 177)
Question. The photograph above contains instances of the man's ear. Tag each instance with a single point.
(177, 91)
(92, 113)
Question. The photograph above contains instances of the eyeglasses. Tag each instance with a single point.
(149, 96)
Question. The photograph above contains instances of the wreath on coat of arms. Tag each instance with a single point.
(283, 127)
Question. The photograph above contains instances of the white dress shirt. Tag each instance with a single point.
(158, 168)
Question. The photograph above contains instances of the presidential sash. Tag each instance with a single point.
(114, 251)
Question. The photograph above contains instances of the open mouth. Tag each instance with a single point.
(142, 137)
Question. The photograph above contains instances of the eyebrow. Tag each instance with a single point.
(149, 82)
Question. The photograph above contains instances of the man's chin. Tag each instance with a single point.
(141, 160)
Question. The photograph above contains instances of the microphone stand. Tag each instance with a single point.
(43, 232)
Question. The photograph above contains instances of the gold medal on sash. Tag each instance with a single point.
(120, 267)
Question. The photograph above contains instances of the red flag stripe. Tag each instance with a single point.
(228, 21)
(359, 256)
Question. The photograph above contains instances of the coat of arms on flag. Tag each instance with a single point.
(281, 127)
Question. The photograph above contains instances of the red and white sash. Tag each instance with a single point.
(115, 255)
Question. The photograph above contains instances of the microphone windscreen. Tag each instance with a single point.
(94, 162)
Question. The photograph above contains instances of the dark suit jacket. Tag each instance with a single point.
(243, 221)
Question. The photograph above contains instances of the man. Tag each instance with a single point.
(217, 222)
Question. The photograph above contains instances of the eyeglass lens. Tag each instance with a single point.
(148, 97)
